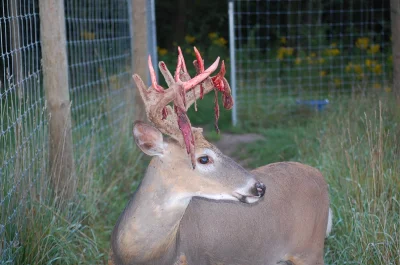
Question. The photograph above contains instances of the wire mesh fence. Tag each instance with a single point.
(23, 119)
(294, 53)
(99, 46)
(100, 59)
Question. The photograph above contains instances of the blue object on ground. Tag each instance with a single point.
(316, 104)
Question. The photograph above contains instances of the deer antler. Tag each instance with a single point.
(176, 123)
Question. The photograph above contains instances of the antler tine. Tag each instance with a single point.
(153, 76)
(178, 69)
(166, 73)
(182, 59)
(200, 61)
(144, 93)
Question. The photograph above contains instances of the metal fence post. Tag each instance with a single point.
(55, 77)
(152, 34)
(232, 58)
(140, 49)
(395, 22)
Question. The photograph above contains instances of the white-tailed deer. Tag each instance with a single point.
(196, 206)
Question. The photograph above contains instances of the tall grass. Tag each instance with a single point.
(79, 232)
(357, 149)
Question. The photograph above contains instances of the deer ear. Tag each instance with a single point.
(148, 139)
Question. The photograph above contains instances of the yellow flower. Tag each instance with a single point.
(188, 51)
(283, 40)
(212, 35)
(297, 61)
(332, 52)
(88, 35)
(377, 69)
(358, 69)
(323, 73)
(335, 52)
(190, 39)
(220, 41)
(368, 63)
(337, 81)
(162, 51)
(321, 60)
(374, 48)
(388, 89)
(313, 54)
(377, 86)
(362, 43)
(281, 53)
(349, 67)
(223, 41)
(333, 45)
(289, 51)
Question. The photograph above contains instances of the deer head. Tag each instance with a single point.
(219, 176)
(175, 122)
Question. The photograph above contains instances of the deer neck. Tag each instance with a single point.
(148, 227)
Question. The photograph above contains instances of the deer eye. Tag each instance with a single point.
(204, 160)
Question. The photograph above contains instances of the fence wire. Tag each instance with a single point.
(100, 59)
(295, 53)
(23, 119)
(99, 39)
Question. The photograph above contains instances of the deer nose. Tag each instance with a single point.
(260, 189)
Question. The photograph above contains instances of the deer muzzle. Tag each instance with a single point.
(252, 193)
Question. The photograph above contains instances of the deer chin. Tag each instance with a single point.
(234, 197)
(247, 198)
(218, 197)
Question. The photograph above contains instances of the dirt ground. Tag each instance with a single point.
(229, 144)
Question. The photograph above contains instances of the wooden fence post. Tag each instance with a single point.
(140, 51)
(16, 57)
(395, 21)
(55, 77)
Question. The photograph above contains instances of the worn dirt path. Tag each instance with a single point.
(229, 145)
